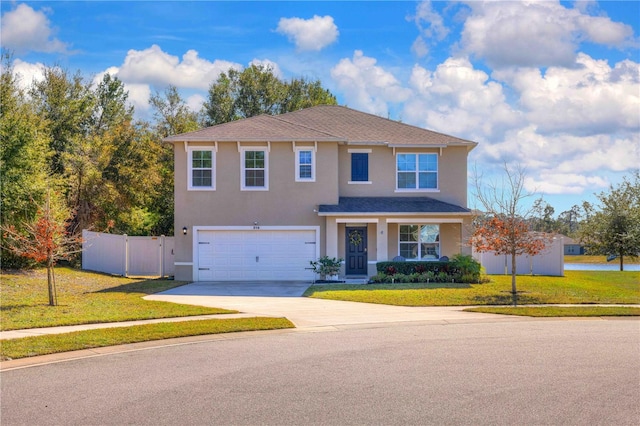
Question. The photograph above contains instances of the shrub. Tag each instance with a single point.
(391, 270)
(381, 277)
(411, 267)
(466, 264)
(326, 266)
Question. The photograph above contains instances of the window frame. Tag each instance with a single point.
(417, 172)
(243, 169)
(298, 177)
(191, 169)
(419, 242)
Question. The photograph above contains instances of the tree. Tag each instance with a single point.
(542, 220)
(615, 228)
(45, 240)
(505, 228)
(568, 220)
(172, 116)
(24, 157)
(66, 102)
(256, 90)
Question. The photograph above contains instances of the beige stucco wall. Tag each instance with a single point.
(291, 203)
(452, 174)
(286, 203)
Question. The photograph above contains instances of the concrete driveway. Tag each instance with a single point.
(283, 299)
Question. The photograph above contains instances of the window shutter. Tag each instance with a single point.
(359, 167)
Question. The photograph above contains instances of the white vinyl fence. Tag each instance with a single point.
(127, 256)
(549, 262)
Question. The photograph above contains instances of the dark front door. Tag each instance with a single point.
(356, 250)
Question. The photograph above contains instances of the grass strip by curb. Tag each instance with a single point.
(55, 343)
(560, 311)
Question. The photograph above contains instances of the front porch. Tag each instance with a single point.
(414, 228)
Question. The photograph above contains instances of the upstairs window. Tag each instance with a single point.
(359, 167)
(201, 169)
(254, 169)
(417, 171)
(305, 165)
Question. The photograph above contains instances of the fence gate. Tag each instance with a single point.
(127, 256)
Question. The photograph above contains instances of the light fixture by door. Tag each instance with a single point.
(184, 230)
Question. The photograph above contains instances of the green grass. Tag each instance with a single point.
(55, 343)
(579, 287)
(84, 298)
(600, 260)
(560, 311)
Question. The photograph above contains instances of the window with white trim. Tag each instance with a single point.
(305, 165)
(419, 242)
(201, 171)
(255, 171)
(417, 171)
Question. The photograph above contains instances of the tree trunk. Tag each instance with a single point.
(51, 283)
(621, 263)
(514, 293)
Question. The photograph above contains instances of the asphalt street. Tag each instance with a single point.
(412, 373)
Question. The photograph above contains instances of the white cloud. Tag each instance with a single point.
(309, 34)
(28, 73)
(460, 100)
(25, 29)
(590, 98)
(564, 183)
(156, 67)
(367, 86)
(195, 102)
(430, 25)
(538, 34)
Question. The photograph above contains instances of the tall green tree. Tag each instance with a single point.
(24, 157)
(256, 90)
(614, 229)
(171, 116)
(67, 103)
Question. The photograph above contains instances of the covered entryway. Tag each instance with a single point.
(356, 250)
(261, 254)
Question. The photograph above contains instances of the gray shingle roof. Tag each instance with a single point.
(391, 205)
(322, 123)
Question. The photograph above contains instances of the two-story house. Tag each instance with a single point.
(259, 198)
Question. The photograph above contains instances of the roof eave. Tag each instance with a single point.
(395, 213)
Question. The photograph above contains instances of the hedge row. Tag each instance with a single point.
(408, 268)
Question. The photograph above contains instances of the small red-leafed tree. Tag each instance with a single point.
(45, 240)
(505, 228)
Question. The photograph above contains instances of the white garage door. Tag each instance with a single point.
(256, 255)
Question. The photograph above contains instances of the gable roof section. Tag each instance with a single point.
(330, 123)
(394, 205)
(258, 128)
(356, 126)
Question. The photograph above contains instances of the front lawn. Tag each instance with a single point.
(84, 298)
(605, 287)
(86, 339)
(600, 260)
(560, 311)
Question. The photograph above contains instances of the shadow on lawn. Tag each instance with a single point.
(506, 299)
(143, 287)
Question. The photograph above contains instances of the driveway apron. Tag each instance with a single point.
(283, 299)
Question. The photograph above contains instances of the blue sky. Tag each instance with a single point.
(552, 86)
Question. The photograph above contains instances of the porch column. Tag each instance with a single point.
(331, 237)
(381, 239)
